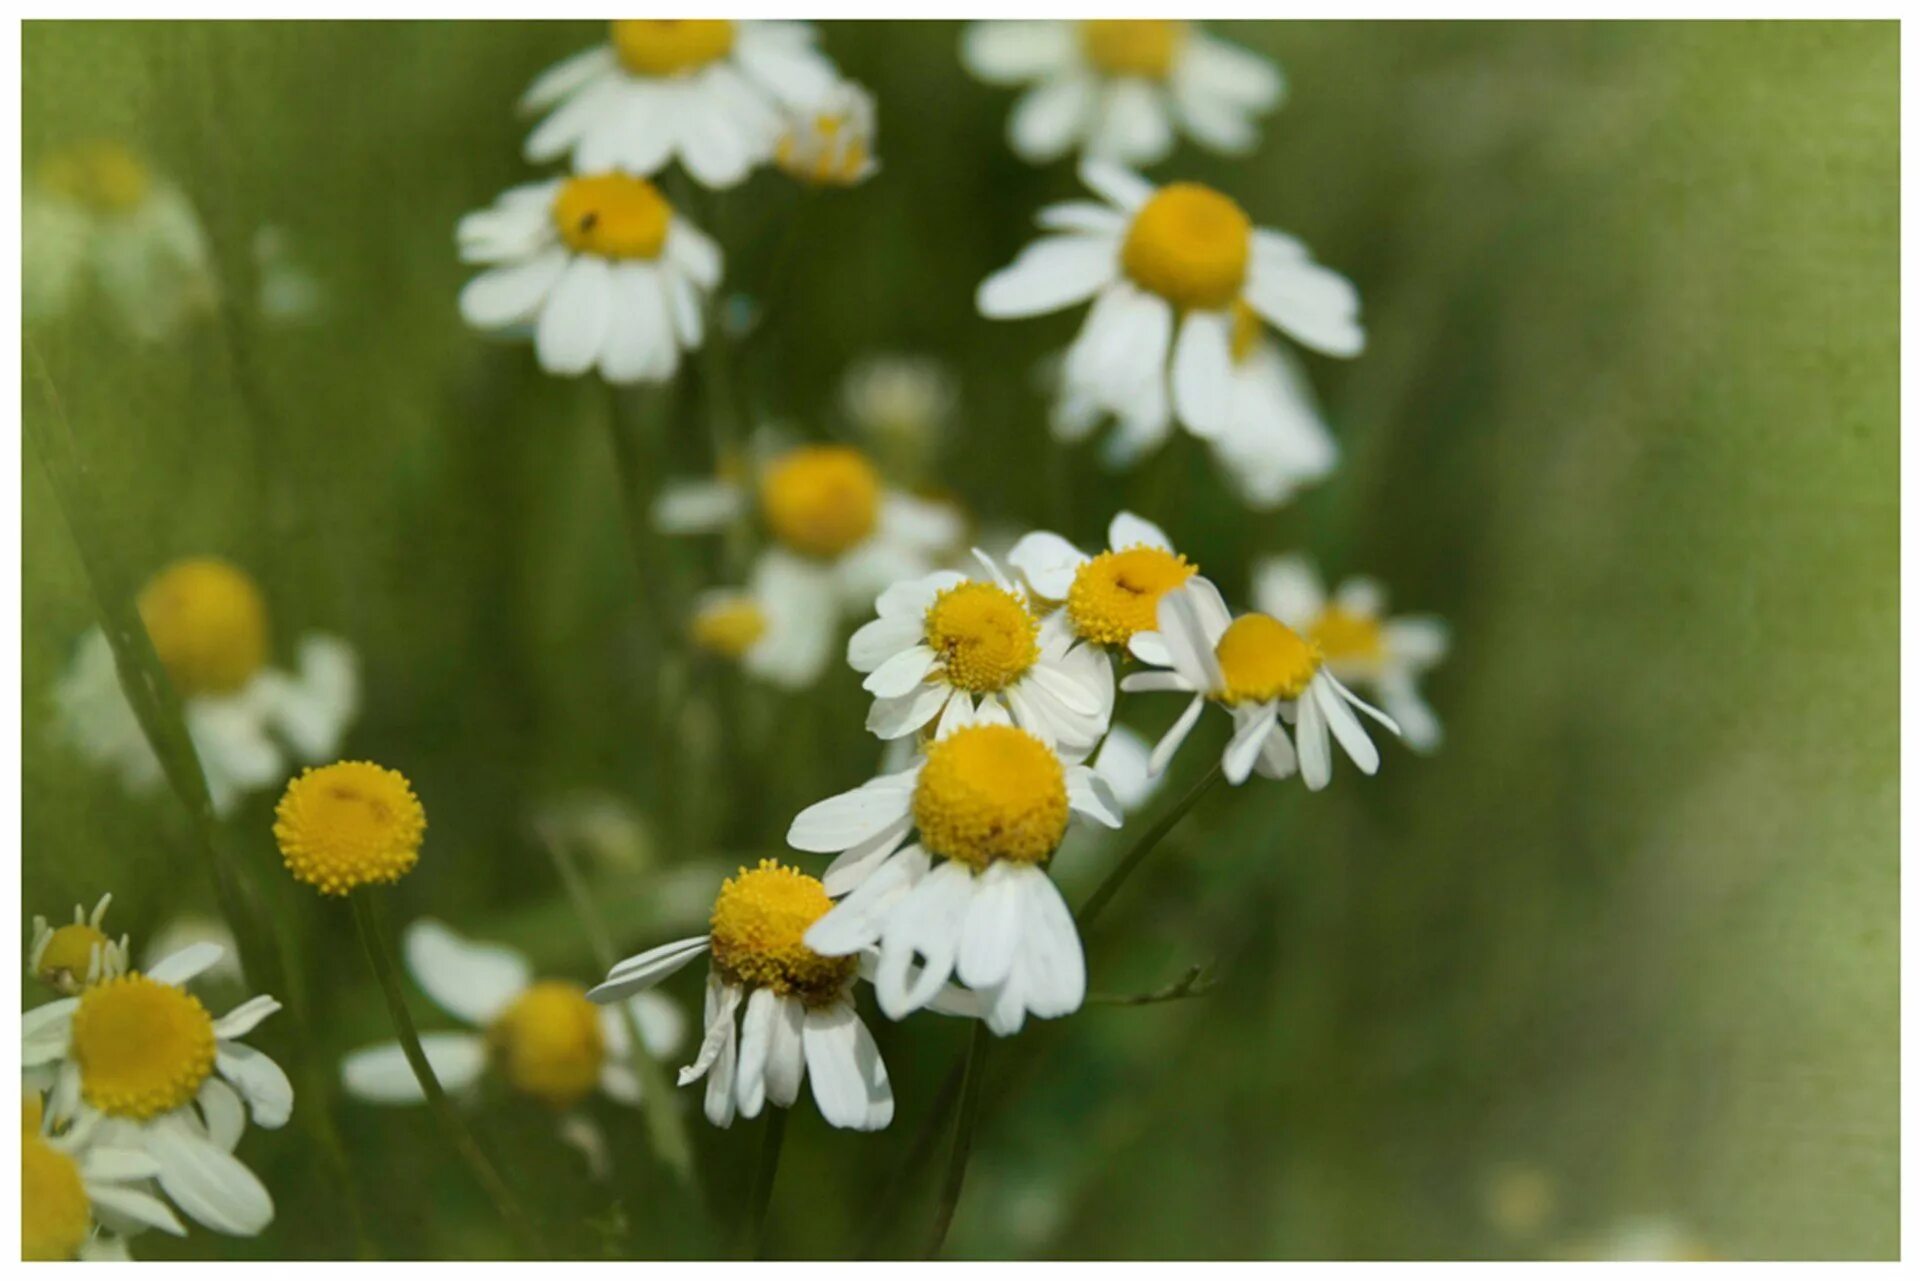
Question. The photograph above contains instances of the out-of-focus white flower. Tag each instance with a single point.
(76, 955)
(902, 405)
(1643, 1239)
(1119, 89)
(1274, 440)
(81, 1194)
(781, 629)
(830, 144)
(290, 294)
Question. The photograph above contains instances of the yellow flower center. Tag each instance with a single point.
(54, 1214)
(1132, 47)
(1262, 659)
(349, 824)
(1343, 636)
(821, 500)
(208, 623)
(729, 627)
(1246, 331)
(991, 792)
(1190, 245)
(670, 46)
(143, 1047)
(104, 176)
(549, 1043)
(612, 215)
(758, 922)
(829, 154)
(68, 957)
(986, 636)
(1117, 593)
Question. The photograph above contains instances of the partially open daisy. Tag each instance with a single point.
(829, 144)
(76, 955)
(81, 1194)
(140, 1057)
(1120, 88)
(1265, 674)
(777, 1012)
(599, 267)
(1360, 644)
(989, 804)
(708, 92)
(1168, 269)
(249, 721)
(1112, 597)
(543, 1038)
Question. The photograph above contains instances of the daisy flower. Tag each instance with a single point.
(249, 722)
(989, 804)
(1167, 268)
(830, 144)
(707, 92)
(1264, 673)
(139, 1057)
(78, 955)
(1274, 440)
(777, 1012)
(543, 1038)
(1121, 89)
(81, 1194)
(780, 629)
(1360, 644)
(1111, 598)
(901, 406)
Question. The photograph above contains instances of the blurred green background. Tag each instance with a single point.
(1625, 948)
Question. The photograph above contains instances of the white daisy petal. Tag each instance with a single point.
(260, 1080)
(1050, 273)
(642, 971)
(206, 1182)
(471, 981)
(381, 1073)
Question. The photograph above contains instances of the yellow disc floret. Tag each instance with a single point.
(1132, 46)
(612, 215)
(549, 1043)
(821, 500)
(1190, 245)
(1262, 659)
(985, 636)
(208, 623)
(143, 1047)
(104, 176)
(68, 958)
(758, 922)
(1345, 637)
(670, 46)
(349, 824)
(991, 792)
(1117, 593)
(729, 627)
(54, 1214)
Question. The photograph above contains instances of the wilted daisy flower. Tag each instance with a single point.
(81, 1193)
(1111, 598)
(799, 1017)
(1263, 672)
(1167, 269)
(1357, 641)
(96, 214)
(77, 955)
(1119, 89)
(249, 721)
(989, 804)
(349, 824)
(706, 91)
(829, 144)
(543, 1038)
(599, 268)
(140, 1057)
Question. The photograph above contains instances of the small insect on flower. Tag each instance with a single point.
(799, 1018)
(248, 720)
(1387, 656)
(542, 1037)
(349, 824)
(77, 955)
(1110, 598)
(707, 92)
(1120, 88)
(81, 1192)
(1264, 673)
(831, 143)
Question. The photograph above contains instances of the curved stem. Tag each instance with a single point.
(962, 1140)
(761, 1198)
(1104, 892)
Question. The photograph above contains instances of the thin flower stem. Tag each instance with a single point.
(761, 1199)
(962, 1140)
(1104, 892)
(366, 918)
(918, 1152)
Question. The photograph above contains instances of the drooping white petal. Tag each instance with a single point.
(1249, 736)
(511, 294)
(842, 821)
(850, 1085)
(471, 981)
(756, 1039)
(1203, 373)
(857, 921)
(573, 320)
(1176, 734)
(1054, 968)
(1317, 307)
(1050, 117)
(786, 1055)
(642, 971)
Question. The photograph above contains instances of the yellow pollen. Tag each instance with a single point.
(549, 1043)
(1132, 47)
(670, 46)
(54, 1214)
(759, 920)
(985, 636)
(1117, 593)
(349, 824)
(104, 176)
(1343, 636)
(821, 500)
(612, 215)
(1190, 245)
(1262, 659)
(143, 1047)
(208, 623)
(729, 627)
(68, 957)
(1246, 331)
(991, 792)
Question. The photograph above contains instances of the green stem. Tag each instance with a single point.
(764, 1173)
(366, 913)
(962, 1140)
(1104, 892)
(894, 1194)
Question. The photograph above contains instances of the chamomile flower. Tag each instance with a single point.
(599, 268)
(543, 1038)
(139, 1057)
(1386, 656)
(349, 824)
(946, 647)
(82, 1194)
(829, 144)
(1168, 270)
(901, 406)
(1121, 88)
(77, 955)
(707, 92)
(1265, 675)
(1110, 598)
(777, 1012)
(781, 629)
(249, 721)
(989, 804)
